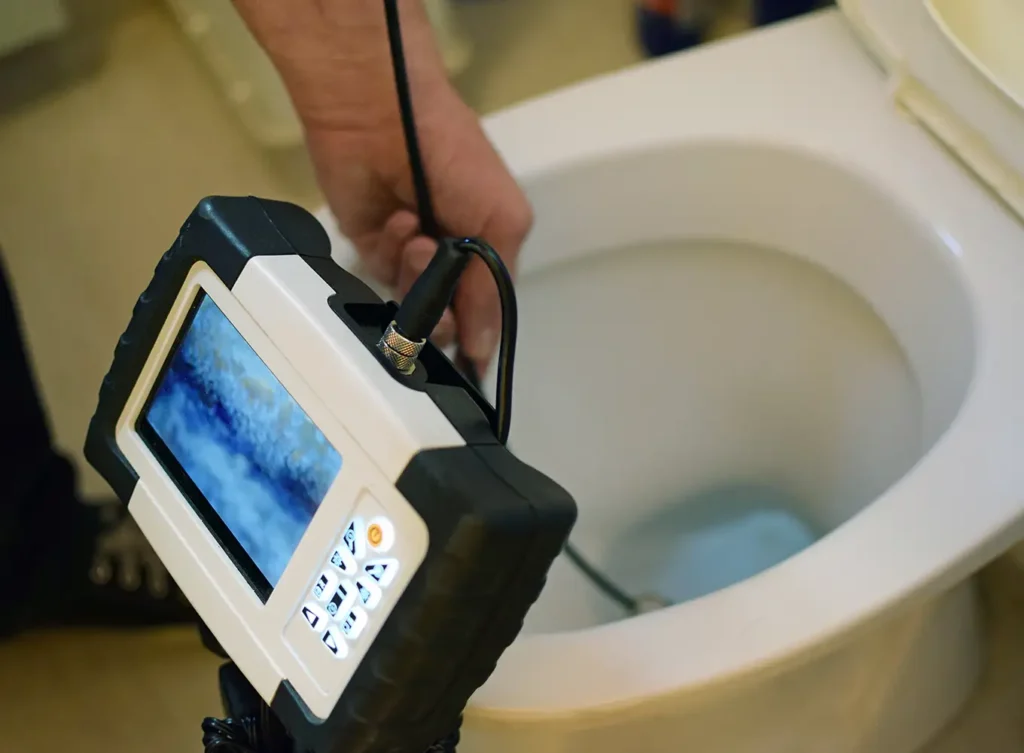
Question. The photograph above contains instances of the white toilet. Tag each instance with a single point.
(772, 340)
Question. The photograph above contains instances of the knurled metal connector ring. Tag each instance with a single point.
(400, 351)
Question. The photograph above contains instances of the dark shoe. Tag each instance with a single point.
(86, 565)
(123, 583)
(774, 11)
(661, 34)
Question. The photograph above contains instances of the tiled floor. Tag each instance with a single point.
(106, 142)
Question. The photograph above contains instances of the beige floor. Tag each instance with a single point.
(106, 143)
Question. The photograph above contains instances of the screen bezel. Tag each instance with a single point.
(198, 501)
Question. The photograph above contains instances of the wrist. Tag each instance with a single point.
(335, 59)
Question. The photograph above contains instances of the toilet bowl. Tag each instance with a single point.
(770, 339)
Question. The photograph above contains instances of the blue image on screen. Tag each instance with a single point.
(240, 437)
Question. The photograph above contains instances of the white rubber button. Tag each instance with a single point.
(324, 587)
(315, 616)
(353, 624)
(383, 571)
(342, 559)
(343, 599)
(334, 643)
(369, 592)
(354, 538)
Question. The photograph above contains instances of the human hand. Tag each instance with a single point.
(367, 182)
(334, 58)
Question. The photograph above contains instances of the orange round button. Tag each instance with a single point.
(375, 535)
(380, 534)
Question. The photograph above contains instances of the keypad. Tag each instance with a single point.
(354, 582)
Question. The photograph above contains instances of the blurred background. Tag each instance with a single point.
(116, 116)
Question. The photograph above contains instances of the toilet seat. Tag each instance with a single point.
(803, 88)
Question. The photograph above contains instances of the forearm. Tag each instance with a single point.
(334, 57)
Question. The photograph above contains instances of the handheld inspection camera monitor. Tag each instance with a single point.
(356, 538)
(327, 489)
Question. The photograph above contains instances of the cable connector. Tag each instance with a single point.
(423, 307)
(400, 351)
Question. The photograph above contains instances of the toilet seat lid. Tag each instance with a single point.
(957, 67)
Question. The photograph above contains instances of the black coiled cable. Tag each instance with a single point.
(448, 744)
(251, 727)
(262, 734)
(232, 735)
(509, 332)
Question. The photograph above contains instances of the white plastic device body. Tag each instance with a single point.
(279, 307)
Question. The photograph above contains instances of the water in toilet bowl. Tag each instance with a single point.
(711, 540)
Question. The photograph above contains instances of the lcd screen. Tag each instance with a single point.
(248, 458)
